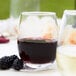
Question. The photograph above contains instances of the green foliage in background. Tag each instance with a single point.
(57, 6)
(4, 9)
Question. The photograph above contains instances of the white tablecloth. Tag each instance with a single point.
(10, 49)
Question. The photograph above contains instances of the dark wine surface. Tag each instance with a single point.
(37, 51)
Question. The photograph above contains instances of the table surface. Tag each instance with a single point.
(10, 49)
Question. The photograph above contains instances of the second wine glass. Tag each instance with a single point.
(66, 51)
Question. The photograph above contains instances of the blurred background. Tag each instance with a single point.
(57, 6)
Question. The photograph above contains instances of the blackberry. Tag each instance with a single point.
(17, 64)
(13, 57)
(5, 62)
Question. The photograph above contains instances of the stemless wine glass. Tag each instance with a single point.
(66, 51)
(37, 40)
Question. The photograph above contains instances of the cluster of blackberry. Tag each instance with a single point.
(12, 61)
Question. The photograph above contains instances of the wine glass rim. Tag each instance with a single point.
(38, 13)
(70, 12)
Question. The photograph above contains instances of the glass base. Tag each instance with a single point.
(39, 67)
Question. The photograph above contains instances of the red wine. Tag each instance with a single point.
(37, 51)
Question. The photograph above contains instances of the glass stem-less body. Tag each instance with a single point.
(37, 40)
(66, 51)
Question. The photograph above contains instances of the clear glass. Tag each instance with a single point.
(37, 40)
(19, 6)
(66, 51)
